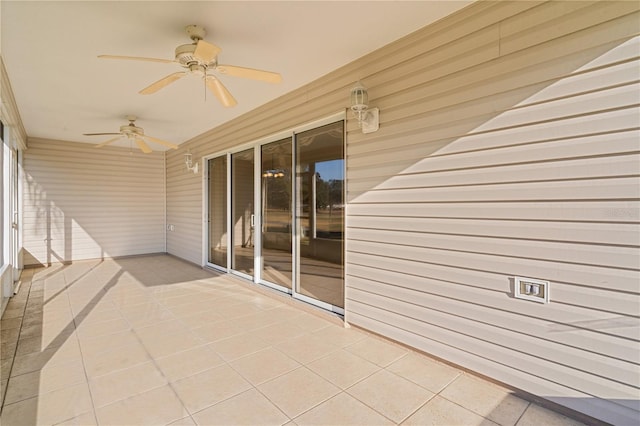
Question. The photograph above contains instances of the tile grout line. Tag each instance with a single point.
(305, 365)
(75, 327)
(74, 316)
(435, 394)
(529, 403)
(73, 321)
(15, 350)
(463, 374)
(428, 390)
(152, 360)
(255, 387)
(169, 383)
(84, 366)
(373, 408)
(204, 343)
(228, 364)
(385, 368)
(319, 403)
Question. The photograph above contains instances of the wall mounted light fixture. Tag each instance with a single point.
(368, 118)
(188, 161)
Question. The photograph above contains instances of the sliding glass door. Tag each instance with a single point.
(279, 207)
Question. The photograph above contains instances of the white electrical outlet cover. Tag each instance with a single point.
(542, 295)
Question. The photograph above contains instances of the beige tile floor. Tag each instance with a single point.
(154, 340)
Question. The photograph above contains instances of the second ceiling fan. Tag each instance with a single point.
(199, 58)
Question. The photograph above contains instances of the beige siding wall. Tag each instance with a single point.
(85, 203)
(184, 207)
(508, 146)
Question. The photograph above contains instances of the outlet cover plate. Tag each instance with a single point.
(531, 289)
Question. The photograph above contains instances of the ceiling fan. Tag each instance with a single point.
(199, 58)
(133, 133)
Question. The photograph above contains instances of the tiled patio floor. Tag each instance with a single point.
(154, 340)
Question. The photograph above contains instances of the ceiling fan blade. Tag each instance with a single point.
(109, 141)
(161, 142)
(268, 76)
(137, 58)
(154, 87)
(206, 52)
(143, 146)
(99, 134)
(221, 92)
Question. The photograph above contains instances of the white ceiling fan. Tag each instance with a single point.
(135, 134)
(199, 58)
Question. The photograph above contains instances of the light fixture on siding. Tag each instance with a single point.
(368, 119)
(188, 161)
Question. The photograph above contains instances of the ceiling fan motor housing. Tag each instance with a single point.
(184, 56)
(132, 130)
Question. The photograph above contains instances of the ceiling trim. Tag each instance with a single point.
(9, 110)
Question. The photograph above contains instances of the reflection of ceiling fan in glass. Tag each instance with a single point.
(199, 58)
(273, 173)
(276, 170)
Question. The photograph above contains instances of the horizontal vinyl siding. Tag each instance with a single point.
(83, 203)
(527, 165)
(184, 208)
(508, 146)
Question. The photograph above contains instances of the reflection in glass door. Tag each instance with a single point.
(276, 214)
(320, 213)
(242, 215)
(217, 216)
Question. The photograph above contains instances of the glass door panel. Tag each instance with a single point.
(277, 231)
(242, 216)
(217, 184)
(320, 213)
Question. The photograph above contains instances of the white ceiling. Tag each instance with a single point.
(63, 90)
